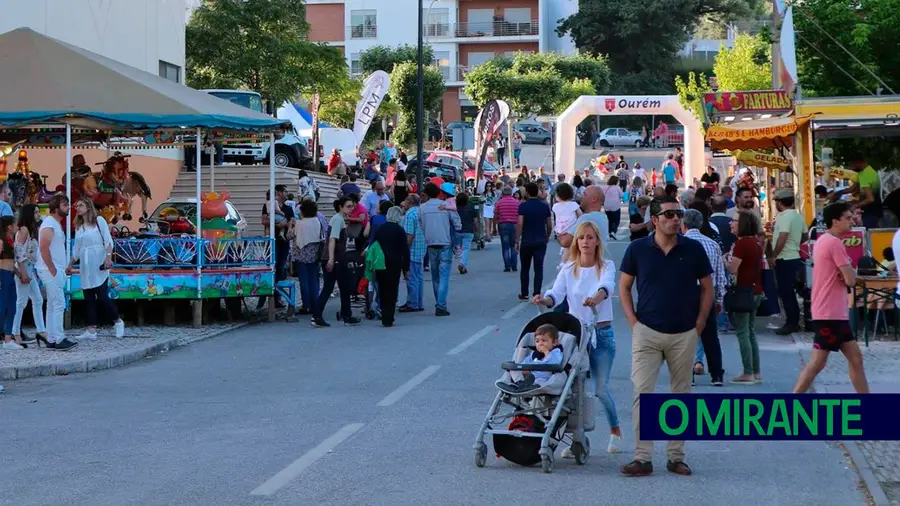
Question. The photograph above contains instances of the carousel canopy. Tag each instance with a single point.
(46, 81)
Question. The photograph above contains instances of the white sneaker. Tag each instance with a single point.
(11, 345)
(567, 453)
(614, 445)
(87, 335)
(120, 329)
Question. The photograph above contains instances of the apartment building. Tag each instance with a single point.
(462, 33)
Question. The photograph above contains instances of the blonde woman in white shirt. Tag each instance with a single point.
(93, 251)
(586, 283)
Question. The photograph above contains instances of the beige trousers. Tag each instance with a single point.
(649, 350)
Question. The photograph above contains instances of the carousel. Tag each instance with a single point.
(188, 256)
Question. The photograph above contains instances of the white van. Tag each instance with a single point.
(331, 138)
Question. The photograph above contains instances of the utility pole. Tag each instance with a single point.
(420, 108)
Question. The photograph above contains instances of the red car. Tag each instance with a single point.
(455, 159)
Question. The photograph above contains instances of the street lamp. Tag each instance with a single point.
(420, 106)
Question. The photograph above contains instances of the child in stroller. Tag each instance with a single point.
(549, 351)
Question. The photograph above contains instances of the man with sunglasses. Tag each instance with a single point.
(664, 328)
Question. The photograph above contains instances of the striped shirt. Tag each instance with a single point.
(412, 227)
(507, 210)
(714, 252)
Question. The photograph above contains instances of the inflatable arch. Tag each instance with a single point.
(694, 157)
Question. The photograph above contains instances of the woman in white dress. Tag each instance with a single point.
(93, 252)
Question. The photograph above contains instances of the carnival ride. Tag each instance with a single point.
(190, 265)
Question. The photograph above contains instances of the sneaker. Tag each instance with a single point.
(352, 321)
(319, 324)
(718, 381)
(441, 312)
(638, 468)
(614, 445)
(506, 269)
(87, 336)
(12, 345)
(567, 453)
(120, 329)
(65, 345)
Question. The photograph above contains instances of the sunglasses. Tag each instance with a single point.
(671, 213)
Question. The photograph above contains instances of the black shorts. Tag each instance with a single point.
(831, 334)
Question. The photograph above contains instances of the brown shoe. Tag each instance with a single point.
(679, 468)
(638, 468)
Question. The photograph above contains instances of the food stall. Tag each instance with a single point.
(86, 100)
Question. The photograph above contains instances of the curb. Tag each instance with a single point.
(873, 486)
(112, 360)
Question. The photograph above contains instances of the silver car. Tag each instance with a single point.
(534, 134)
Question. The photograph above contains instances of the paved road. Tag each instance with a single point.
(534, 156)
(283, 414)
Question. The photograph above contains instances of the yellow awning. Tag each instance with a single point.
(762, 159)
(758, 134)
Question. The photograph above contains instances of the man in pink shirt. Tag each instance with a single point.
(507, 212)
(832, 274)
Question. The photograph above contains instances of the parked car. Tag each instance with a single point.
(453, 159)
(448, 130)
(534, 134)
(619, 137)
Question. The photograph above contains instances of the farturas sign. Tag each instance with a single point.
(374, 89)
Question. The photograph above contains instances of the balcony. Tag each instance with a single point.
(362, 32)
(475, 30)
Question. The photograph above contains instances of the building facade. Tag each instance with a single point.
(462, 33)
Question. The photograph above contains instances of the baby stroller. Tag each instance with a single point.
(540, 419)
(356, 272)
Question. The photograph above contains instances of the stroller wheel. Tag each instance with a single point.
(581, 451)
(370, 314)
(547, 463)
(481, 455)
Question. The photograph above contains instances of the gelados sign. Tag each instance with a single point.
(632, 103)
(748, 101)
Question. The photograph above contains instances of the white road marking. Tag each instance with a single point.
(470, 341)
(512, 312)
(296, 467)
(407, 387)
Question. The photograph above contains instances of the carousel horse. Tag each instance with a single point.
(131, 185)
(27, 186)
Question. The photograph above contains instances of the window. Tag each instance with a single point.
(355, 67)
(481, 22)
(437, 22)
(169, 71)
(364, 24)
(476, 59)
(442, 61)
(518, 15)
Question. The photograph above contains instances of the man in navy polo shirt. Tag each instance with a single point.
(675, 295)
(534, 228)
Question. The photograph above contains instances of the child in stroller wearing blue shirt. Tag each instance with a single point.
(549, 351)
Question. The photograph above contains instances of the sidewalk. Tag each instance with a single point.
(878, 462)
(106, 352)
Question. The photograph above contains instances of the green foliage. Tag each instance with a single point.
(539, 84)
(386, 58)
(869, 31)
(258, 45)
(690, 93)
(642, 38)
(747, 66)
(404, 93)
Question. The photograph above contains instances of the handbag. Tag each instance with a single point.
(740, 299)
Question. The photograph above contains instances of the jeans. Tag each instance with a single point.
(601, 358)
(786, 272)
(698, 357)
(508, 244)
(7, 300)
(711, 346)
(614, 217)
(531, 252)
(98, 296)
(501, 155)
(746, 335)
(339, 276)
(56, 303)
(465, 242)
(441, 259)
(414, 286)
(308, 274)
(24, 292)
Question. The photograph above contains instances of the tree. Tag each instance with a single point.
(404, 92)
(537, 84)
(690, 92)
(259, 45)
(747, 66)
(869, 31)
(642, 39)
(386, 58)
